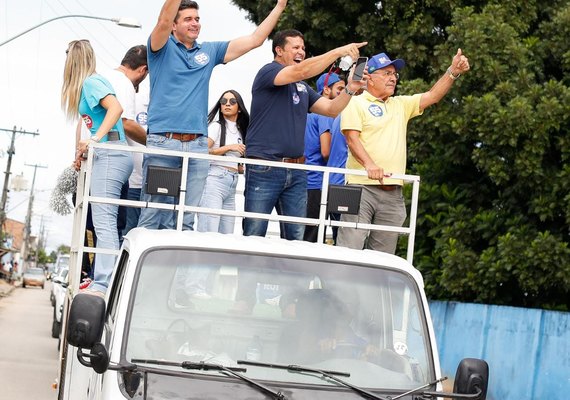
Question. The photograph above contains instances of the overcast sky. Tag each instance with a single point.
(31, 74)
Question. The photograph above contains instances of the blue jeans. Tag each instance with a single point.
(111, 169)
(219, 192)
(280, 188)
(197, 172)
(133, 213)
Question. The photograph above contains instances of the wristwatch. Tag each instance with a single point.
(349, 92)
(450, 73)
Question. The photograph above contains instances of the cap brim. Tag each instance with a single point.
(398, 63)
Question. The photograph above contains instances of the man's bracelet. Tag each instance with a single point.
(349, 92)
(450, 73)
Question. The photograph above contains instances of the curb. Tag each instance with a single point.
(5, 288)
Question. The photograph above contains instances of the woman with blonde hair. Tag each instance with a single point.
(88, 95)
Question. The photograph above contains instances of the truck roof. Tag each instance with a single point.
(139, 240)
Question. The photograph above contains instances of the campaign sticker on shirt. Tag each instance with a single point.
(88, 121)
(375, 110)
(296, 98)
(142, 118)
(301, 88)
(201, 58)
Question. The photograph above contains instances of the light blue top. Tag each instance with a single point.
(179, 80)
(316, 125)
(338, 154)
(95, 88)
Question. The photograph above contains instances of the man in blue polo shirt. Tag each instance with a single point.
(280, 103)
(317, 149)
(180, 70)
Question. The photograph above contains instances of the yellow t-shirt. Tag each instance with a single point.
(382, 127)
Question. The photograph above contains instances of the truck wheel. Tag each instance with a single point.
(55, 327)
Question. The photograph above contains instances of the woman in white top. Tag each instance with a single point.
(226, 136)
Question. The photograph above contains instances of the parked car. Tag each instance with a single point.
(59, 287)
(59, 276)
(34, 277)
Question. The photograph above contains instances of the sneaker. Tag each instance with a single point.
(84, 284)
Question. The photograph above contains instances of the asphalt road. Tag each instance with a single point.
(28, 353)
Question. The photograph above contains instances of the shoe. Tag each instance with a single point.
(84, 284)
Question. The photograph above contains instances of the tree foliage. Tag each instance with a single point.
(494, 155)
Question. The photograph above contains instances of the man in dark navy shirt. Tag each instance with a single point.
(280, 103)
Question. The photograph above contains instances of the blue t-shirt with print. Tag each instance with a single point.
(338, 153)
(94, 89)
(278, 116)
(316, 125)
(179, 83)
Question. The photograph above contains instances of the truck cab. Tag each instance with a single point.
(192, 315)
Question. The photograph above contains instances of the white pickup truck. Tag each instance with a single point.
(193, 315)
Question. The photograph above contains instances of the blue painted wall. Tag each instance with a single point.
(528, 350)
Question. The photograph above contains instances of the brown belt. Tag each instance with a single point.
(298, 160)
(388, 188)
(183, 137)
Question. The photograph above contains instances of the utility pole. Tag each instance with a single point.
(41, 240)
(11, 152)
(28, 225)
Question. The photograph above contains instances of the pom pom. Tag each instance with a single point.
(66, 184)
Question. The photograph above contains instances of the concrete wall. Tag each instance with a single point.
(528, 350)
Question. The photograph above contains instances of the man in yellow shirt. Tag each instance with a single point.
(375, 126)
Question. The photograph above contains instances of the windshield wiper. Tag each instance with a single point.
(205, 366)
(328, 374)
(416, 390)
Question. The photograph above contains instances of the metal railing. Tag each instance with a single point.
(84, 198)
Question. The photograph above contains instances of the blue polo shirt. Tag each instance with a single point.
(338, 154)
(179, 80)
(278, 116)
(94, 89)
(316, 125)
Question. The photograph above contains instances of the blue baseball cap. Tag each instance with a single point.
(332, 79)
(382, 60)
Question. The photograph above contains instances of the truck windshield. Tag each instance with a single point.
(216, 307)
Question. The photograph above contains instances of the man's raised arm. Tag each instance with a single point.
(238, 47)
(163, 26)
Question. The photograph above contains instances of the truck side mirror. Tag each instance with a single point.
(86, 320)
(472, 377)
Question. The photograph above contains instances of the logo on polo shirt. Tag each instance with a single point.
(142, 118)
(88, 121)
(296, 98)
(375, 110)
(301, 88)
(201, 58)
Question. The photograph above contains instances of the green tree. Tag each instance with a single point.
(494, 155)
(63, 249)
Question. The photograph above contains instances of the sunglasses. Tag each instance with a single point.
(224, 101)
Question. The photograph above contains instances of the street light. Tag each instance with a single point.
(127, 22)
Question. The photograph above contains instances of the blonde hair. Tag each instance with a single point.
(79, 65)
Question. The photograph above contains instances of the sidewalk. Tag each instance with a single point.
(5, 288)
